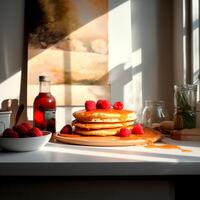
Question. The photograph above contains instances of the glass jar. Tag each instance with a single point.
(185, 106)
(153, 113)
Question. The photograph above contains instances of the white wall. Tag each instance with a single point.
(178, 42)
(11, 50)
(152, 35)
(141, 53)
(11, 47)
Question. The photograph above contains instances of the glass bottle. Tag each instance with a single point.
(185, 106)
(44, 108)
(153, 113)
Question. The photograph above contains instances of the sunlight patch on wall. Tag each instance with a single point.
(137, 91)
(128, 87)
(10, 88)
(120, 48)
(136, 58)
(137, 79)
(195, 49)
(120, 43)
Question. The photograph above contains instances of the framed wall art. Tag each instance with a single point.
(68, 41)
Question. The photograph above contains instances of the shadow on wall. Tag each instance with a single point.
(165, 54)
(152, 33)
(119, 78)
(11, 45)
(12, 36)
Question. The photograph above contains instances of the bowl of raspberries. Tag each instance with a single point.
(24, 137)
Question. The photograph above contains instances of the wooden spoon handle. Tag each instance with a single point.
(19, 112)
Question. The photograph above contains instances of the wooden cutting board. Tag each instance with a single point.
(150, 136)
(186, 134)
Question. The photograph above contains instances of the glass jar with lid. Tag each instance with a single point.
(153, 113)
(185, 106)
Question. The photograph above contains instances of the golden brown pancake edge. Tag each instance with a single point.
(105, 115)
(99, 132)
(101, 125)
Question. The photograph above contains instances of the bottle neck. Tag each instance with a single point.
(44, 87)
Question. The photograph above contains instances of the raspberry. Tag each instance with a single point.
(103, 104)
(118, 105)
(90, 105)
(106, 104)
(67, 129)
(22, 130)
(124, 132)
(27, 125)
(98, 104)
(138, 130)
(35, 132)
(9, 133)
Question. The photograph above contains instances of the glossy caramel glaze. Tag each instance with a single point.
(105, 115)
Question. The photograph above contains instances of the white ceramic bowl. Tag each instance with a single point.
(25, 144)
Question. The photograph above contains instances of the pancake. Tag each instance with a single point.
(105, 115)
(89, 126)
(99, 132)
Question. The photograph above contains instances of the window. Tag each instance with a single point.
(195, 43)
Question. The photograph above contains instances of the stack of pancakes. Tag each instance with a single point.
(102, 122)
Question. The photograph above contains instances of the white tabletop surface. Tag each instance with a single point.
(73, 160)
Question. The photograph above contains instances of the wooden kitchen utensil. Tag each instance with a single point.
(19, 112)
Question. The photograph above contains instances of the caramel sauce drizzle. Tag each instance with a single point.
(167, 146)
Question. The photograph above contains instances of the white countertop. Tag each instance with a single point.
(73, 160)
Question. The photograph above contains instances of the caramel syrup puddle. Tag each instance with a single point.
(167, 146)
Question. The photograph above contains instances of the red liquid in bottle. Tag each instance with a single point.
(44, 107)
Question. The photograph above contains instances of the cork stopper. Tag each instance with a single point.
(44, 79)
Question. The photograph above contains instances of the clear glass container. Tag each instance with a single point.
(153, 113)
(185, 106)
